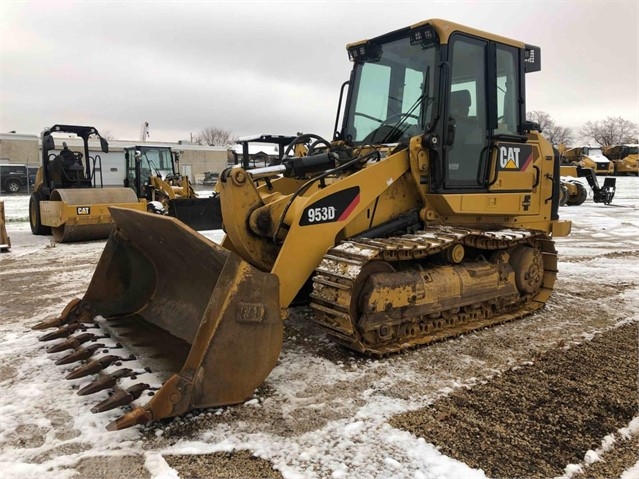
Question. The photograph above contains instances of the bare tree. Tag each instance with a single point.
(107, 135)
(609, 132)
(214, 136)
(542, 118)
(554, 133)
(558, 135)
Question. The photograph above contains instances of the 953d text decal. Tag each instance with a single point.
(335, 207)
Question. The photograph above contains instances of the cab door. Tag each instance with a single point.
(489, 164)
(467, 111)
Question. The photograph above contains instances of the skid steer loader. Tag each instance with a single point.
(430, 213)
(68, 200)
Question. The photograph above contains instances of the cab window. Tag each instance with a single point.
(468, 112)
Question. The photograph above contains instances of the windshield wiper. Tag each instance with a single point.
(422, 102)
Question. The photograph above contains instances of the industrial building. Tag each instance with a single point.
(195, 160)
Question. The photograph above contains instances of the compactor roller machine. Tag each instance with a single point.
(430, 213)
(68, 200)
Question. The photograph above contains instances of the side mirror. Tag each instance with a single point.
(104, 145)
(47, 143)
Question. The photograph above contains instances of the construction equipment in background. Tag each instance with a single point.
(574, 193)
(431, 213)
(5, 241)
(624, 157)
(153, 173)
(68, 200)
(247, 160)
(587, 157)
(210, 178)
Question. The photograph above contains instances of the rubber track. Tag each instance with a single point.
(337, 273)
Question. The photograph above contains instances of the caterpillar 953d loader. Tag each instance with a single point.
(429, 214)
(68, 200)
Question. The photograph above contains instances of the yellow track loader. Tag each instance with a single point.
(430, 213)
(68, 200)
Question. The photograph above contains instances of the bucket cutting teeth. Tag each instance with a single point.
(74, 342)
(80, 354)
(106, 381)
(65, 331)
(96, 365)
(189, 310)
(121, 397)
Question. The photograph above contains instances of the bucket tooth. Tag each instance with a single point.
(63, 318)
(120, 398)
(77, 311)
(95, 366)
(63, 332)
(105, 381)
(80, 354)
(73, 343)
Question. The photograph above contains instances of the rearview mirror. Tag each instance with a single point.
(47, 143)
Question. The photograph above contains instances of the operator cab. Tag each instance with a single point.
(144, 162)
(464, 93)
(66, 168)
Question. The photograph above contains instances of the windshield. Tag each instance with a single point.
(388, 101)
(154, 162)
(594, 152)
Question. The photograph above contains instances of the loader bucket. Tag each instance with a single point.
(201, 318)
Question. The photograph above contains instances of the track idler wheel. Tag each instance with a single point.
(528, 264)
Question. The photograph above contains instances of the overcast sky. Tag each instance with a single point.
(275, 66)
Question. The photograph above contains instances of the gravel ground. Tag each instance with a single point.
(223, 465)
(533, 420)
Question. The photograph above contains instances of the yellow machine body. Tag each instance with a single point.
(625, 158)
(83, 214)
(588, 157)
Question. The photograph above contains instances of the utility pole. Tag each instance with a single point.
(144, 132)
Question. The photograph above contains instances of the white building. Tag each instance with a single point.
(194, 159)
